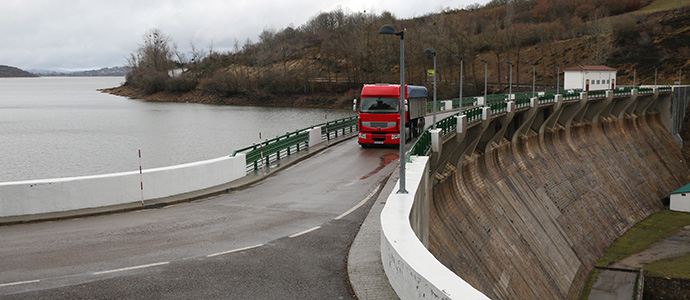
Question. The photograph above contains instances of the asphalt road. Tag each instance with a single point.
(286, 237)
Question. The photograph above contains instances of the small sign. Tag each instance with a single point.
(429, 72)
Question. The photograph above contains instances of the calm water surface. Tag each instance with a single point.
(62, 126)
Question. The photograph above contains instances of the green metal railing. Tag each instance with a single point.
(551, 98)
(473, 114)
(422, 145)
(498, 107)
(596, 94)
(645, 90)
(571, 96)
(262, 154)
(522, 103)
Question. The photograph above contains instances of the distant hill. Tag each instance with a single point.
(7, 71)
(114, 71)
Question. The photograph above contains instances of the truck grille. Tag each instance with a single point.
(378, 124)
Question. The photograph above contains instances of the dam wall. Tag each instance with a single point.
(527, 218)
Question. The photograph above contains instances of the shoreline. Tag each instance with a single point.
(330, 101)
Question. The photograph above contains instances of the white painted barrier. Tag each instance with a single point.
(447, 105)
(315, 136)
(64, 194)
(413, 272)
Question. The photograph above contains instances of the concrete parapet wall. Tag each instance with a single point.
(411, 269)
(64, 194)
(528, 219)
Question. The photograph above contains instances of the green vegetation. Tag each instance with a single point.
(639, 238)
(677, 267)
(662, 5)
(584, 295)
(336, 52)
(643, 235)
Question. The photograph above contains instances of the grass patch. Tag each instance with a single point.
(588, 287)
(661, 5)
(677, 267)
(643, 235)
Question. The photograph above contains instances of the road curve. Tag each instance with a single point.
(284, 237)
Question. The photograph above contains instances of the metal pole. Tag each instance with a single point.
(558, 79)
(403, 159)
(486, 86)
(680, 72)
(510, 83)
(634, 77)
(655, 77)
(485, 72)
(461, 85)
(534, 73)
(434, 126)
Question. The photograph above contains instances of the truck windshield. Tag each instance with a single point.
(379, 105)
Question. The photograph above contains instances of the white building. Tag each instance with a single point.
(593, 78)
(680, 199)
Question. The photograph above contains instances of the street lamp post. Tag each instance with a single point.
(534, 73)
(485, 72)
(634, 77)
(429, 51)
(654, 76)
(458, 57)
(510, 81)
(558, 78)
(389, 29)
(680, 73)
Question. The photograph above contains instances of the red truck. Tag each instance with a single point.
(379, 117)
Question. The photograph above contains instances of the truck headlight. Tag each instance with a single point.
(363, 136)
(395, 136)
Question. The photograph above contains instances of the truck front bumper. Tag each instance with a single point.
(367, 138)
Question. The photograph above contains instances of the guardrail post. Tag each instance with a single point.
(436, 140)
(462, 124)
(486, 113)
(314, 136)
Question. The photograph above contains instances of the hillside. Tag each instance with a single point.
(7, 71)
(335, 52)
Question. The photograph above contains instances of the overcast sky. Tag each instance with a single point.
(81, 34)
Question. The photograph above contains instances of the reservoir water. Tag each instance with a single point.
(63, 126)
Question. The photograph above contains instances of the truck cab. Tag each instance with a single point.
(379, 115)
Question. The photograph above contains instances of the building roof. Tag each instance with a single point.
(590, 68)
(685, 189)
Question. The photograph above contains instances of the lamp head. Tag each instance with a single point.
(482, 60)
(456, 56)
(389, 29)
(429, 51)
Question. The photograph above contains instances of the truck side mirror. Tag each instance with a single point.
(354, 105)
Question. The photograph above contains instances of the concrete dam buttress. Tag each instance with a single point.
(528, 219)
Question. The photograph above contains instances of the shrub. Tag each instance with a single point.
(181, 84)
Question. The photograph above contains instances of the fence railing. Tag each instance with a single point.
(262, 154)
(422, 145)
(473, 114)
(546, 99)
(596, 94)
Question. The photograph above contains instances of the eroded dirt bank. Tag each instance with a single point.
(528, 220)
